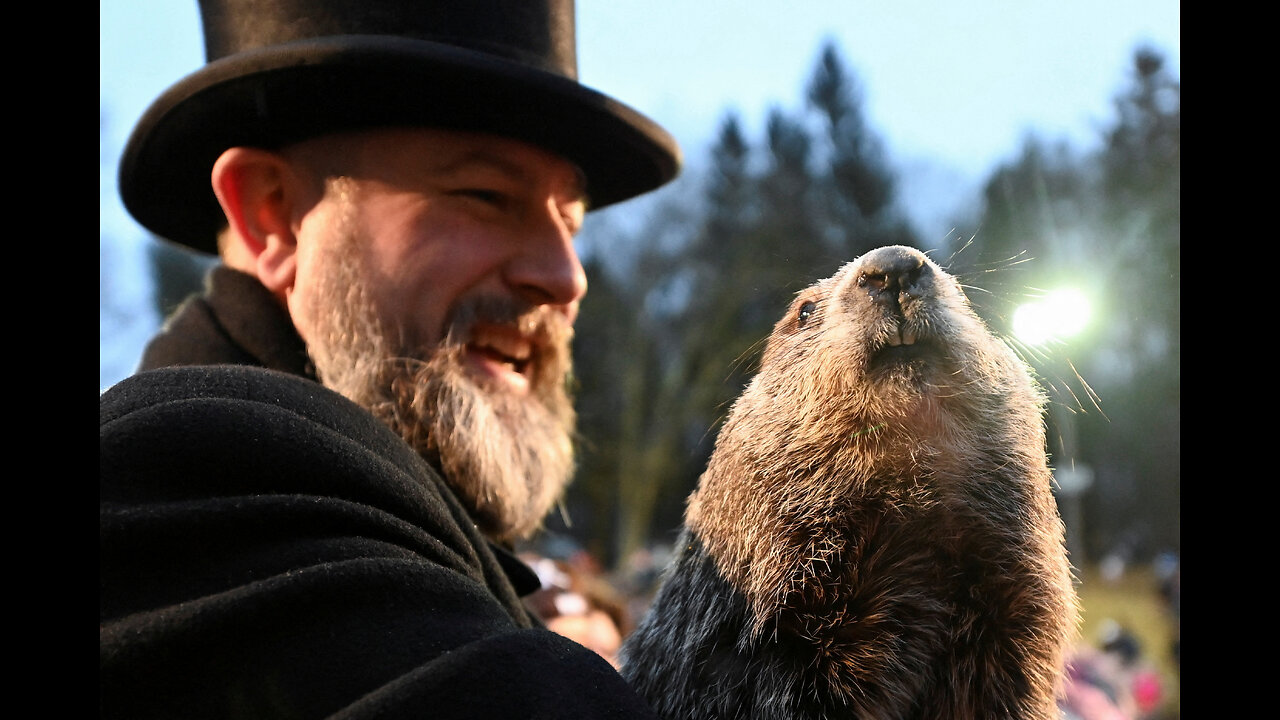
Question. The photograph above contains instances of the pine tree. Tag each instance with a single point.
(1136, 367)
(859, 183)
(1107, 224)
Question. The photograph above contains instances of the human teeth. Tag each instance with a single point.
(504, 344)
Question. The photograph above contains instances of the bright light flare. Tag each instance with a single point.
(1060, 314)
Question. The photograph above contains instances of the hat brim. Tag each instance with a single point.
(277, 95)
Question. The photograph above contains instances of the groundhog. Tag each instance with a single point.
(875, 534)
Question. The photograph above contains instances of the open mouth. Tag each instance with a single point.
(904, 345)
(501, 354)
(903, 353)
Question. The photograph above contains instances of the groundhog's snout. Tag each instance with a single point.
(895, 274)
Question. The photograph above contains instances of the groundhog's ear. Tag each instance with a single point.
(257, 190)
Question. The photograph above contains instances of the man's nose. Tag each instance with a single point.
(546, 270)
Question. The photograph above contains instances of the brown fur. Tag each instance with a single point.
(878, 505)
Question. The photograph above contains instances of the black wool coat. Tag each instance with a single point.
(269, 550)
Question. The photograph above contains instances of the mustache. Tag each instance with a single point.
(542, 325)
(548, 332)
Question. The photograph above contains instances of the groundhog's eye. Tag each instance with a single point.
(806, 311)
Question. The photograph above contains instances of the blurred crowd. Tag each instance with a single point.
(1109, 676)
(1111, 679)
(1114, 677)
(578, 601)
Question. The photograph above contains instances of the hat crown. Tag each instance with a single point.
(538, 33)
(281, 71)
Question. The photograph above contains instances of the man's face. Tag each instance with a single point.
(448, 216)
(437, 285)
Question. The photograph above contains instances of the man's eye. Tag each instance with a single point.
(492, 197)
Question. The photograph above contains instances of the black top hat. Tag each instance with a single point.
(285, 70)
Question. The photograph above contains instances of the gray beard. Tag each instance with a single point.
(507, 457)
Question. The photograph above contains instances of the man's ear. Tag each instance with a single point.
(259, 193)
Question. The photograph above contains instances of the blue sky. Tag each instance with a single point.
(958, 82)
(952, 87)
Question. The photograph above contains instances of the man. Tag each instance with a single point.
(309, 491)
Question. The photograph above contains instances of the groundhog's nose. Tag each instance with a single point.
(889, 271)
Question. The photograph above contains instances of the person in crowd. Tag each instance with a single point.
(576, 600)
